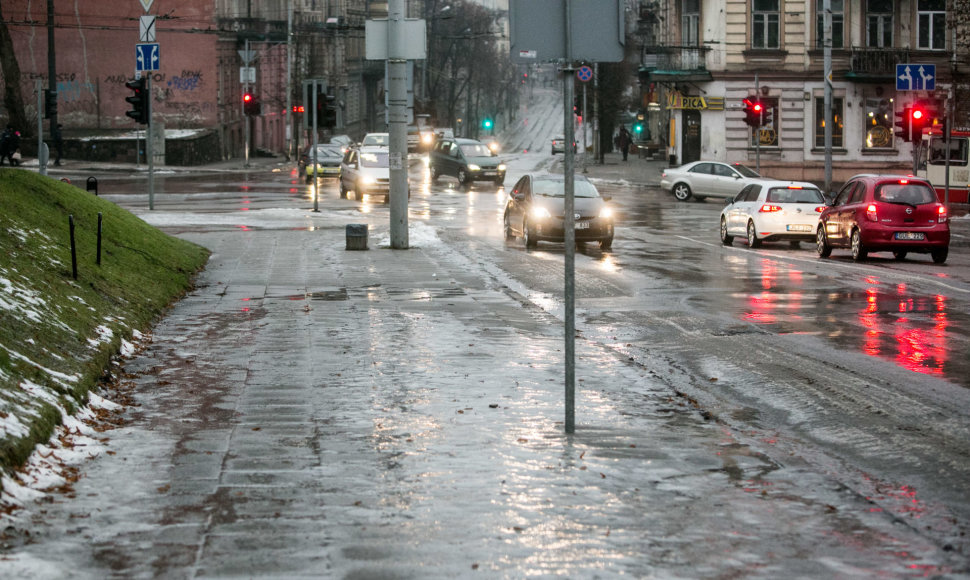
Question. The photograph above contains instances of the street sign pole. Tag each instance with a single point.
(149, 151)
(397, 115)
(569, 227)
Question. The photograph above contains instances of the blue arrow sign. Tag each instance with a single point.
(146, 57)
(915, 77)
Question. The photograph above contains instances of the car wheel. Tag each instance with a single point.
(726, 238)
(435, 174)
(821, 246)
(509, 234)
(939, 256)
(899, 255)
(753, 241)
(357, 194)
(463, 176)
(859, 252)
(682, 192)
(530, 239)
(308, 178)
(343, 190)
(606, 244)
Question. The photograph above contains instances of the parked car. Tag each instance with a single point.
(885, 213)
(702, 179)
(559, 145)
(769, 211)
(329, 157)
(365, 170)
(535, 211)
(467, 159)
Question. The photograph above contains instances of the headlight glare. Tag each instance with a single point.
(606, 212)
(473, 167)
(540, 213)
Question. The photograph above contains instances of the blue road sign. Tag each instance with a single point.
(584, 73)
(915, 77)
(146, 56)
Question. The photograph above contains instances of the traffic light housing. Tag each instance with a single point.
(753, 113)
(767, 116)
(903, 124)
(330, 112)
(50, 103)
(918, 120)
(935, 117)
(250, 105)
(139, 101)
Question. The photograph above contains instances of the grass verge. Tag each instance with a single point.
(58, 333)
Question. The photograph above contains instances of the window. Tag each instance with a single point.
(765, 18)
(690, 23)
(767, 134)
(958, 151)
(753, 192)
(878, 124)
(879, 23)
(838, 23)
(836, 122)
(931, 25)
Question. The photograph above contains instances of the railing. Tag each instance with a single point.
(878, 60)
(675, 57)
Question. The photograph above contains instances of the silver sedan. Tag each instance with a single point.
(701, 179)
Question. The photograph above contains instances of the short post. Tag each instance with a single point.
(93, 185)
(99, 239)
(70, 222)
(356, 236)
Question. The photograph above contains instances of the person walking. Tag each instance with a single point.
(58, 143)
(9, 143)
(623, 141)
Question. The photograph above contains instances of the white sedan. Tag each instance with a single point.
(700, 179)
(769, 211)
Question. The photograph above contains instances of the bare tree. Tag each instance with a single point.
(13, 100)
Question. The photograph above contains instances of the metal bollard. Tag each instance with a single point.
(356, 236)
(93, 185)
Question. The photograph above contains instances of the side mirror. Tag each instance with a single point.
(606, 197)
(517, 196)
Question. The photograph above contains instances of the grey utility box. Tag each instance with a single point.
(356, 236)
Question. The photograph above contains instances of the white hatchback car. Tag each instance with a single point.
(769, 211)
(365, 171)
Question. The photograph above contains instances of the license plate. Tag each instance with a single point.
(582, 225)
(799, 228)
(488, 173)
(910, 236)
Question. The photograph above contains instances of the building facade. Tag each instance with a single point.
(700, 59)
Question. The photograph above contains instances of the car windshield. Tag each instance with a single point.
(369, 159)
(557, 188)
(476, 150)
(376, 139)
(906, 193)
(323, 152)
(794, 195)
(745, 170)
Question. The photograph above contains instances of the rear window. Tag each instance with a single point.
(907, 193)
(790, 195)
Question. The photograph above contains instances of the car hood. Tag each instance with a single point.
(584, 206)
(484, 161)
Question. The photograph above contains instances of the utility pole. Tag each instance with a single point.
(289, 81)
(397, 117)
(827, 105)
(51, 73)
(569, 229)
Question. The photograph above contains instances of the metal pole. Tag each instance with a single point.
(39, 87)
(585, 123)
(51, 69)
(757, 132)
(313, 147)
(149, 148)
(827, 105)
(289, 81)
(245, 116)
(596, 126)
(398, 120)
(569, 232)
(948, 115)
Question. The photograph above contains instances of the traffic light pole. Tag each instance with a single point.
(148, 145)
(757, 133)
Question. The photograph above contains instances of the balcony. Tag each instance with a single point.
(674, 63)
(876, 65)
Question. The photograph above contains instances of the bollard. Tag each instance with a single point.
(70, 224)
(93, 185)
(99, 237)
(356, 236)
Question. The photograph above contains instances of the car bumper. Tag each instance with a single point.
(587, 230)
(791, 227)
(884, 238)
(487, 175)
(324, 171)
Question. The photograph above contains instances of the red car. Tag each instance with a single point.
(885, 213)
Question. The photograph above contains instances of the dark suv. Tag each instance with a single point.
(885, 213)
(467, 159)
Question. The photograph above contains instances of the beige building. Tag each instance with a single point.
(700, 59)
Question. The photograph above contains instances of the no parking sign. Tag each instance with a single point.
(584, 73)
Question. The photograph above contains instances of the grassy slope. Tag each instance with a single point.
(54, 337)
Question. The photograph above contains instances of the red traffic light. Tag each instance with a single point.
(757, 107)
(247, 98)
(917, 114)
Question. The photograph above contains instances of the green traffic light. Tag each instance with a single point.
(638, 128)
(487, 123)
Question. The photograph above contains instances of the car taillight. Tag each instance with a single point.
(941, 213)
(871, 213)
(768, 208)
(820, 209)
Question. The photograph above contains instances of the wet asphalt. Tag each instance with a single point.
(310, 411)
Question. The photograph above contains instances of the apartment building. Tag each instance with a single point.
(699, 60)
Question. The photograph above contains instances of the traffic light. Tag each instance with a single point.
(753, 113)
(918, 120)
(637, 129)
(935, 117)
(767, 116)
(329, 111)
(250, 105)
(487, 123)
(141, 106)
(903, 124)
(50, 103)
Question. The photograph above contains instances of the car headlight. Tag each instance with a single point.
(426, 138)
(606, 213)
(540, 213)
(473, 167)
(368, 180)
(501, 167)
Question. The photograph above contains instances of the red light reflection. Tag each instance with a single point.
(781, 300)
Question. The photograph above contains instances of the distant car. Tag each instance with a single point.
(885, 213)
(467, 159)
(559, 145)
(344, 141)
(769, 211)
(366, 171)
(702, 179)
(376, 140)
(534, 211)
(329, 157)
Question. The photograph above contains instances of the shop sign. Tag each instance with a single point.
(679, 101)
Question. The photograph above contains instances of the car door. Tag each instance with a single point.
(726, 182)
(835, 226)
(518, 202)
(749, 201)
(348, 171)
(701, 179)
(439, 155)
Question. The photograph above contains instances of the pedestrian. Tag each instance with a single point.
(58, 143)
(9, 143)
(623, 141)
